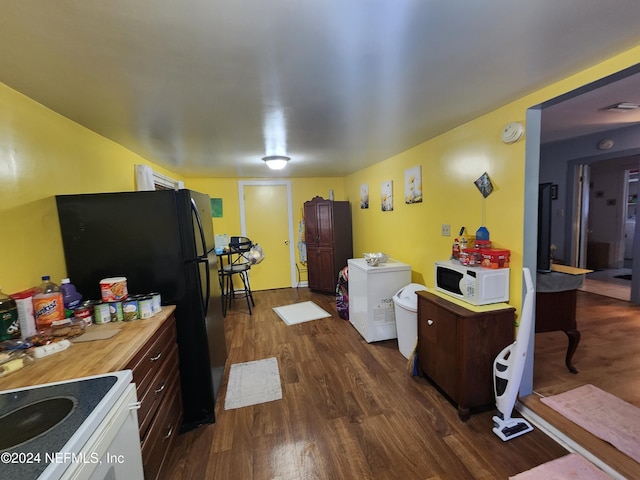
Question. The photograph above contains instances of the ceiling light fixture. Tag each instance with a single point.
(621, 107)
(276, 162)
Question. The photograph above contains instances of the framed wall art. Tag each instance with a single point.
(386, 196)
(413, 185)
(364, 195)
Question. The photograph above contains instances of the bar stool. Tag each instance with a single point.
(238, 264)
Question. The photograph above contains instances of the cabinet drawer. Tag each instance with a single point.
(162, 432)
(147, 363)
(158, 389)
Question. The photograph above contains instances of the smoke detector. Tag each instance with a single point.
(621, 107)
(512, 132)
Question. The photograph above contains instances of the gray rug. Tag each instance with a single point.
(251, 383)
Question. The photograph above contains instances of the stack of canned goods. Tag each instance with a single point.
(117, 305)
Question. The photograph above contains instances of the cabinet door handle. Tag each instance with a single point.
(429, 322)
(168, 434)
(156, 358)
(159, 390)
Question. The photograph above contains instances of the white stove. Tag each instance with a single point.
(80, 428)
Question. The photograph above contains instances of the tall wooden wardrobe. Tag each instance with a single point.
(329, 241)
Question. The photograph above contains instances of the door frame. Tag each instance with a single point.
(243, 225)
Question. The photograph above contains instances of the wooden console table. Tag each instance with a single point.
(556, 305)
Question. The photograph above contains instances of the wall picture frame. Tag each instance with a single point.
(413, 185)
(386, 196)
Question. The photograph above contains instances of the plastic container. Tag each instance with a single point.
(9, 321)
(70, 296)
(495, 258)
(482, 233)
(48, 304)
(405, 302)
(113, 289)
(470, 257)
(67, 328)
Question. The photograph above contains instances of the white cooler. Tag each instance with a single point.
(371, 290)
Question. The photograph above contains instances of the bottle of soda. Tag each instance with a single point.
(9, 323)
(48, 305)
(70, 296)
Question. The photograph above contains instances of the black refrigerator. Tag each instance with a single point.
(161, 241)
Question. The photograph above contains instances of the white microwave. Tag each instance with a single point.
(474, 285)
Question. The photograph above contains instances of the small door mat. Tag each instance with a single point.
(601, 414)
(300, 312)
(569, 467)
(251, 383)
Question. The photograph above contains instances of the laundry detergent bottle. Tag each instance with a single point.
(70, 297)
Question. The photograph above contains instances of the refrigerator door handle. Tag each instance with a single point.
(203, 257)
(196, 214)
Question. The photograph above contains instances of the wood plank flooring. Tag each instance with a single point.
(349, 411)
(607, 357)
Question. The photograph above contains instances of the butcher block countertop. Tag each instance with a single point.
(96, 357)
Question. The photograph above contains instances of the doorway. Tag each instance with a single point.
(266, 218)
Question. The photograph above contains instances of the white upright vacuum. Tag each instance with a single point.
(507, 369)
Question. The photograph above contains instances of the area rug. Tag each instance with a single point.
(569, 467)
(300, 312)
(602, 414)
(623, 277)
(251, 383)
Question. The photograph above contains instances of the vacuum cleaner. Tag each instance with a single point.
(507, 369)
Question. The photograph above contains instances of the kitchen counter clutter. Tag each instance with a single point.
(148, 348)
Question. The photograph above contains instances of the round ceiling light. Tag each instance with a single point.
(276, 162)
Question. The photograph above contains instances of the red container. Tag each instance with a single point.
(495, 258)
(470, 257)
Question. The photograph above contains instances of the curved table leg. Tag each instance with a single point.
(574, 340)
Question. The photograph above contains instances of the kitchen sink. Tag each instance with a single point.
(30, 421)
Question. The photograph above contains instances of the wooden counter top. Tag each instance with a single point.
(96, 357)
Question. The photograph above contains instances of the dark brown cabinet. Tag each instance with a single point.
(457, 347)
(329, 241)
(155, 372)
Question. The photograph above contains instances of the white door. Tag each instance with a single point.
(266, 218)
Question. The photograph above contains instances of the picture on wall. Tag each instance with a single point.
(216, 207)
(484, 185)
(386, 196)
(364, 195)
(413, 185)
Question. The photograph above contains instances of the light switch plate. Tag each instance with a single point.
(446, 230)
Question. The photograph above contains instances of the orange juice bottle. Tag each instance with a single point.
(48, 304)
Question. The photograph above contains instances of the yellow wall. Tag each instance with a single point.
(450, 164)
(302, 189)
(43, 154)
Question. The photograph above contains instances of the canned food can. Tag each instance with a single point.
(130, 309)
(101, 313)
(156, 305)
(115, 309)
(113, 289)
(84, 312)
(145, 308)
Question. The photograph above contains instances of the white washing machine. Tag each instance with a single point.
(371, 291)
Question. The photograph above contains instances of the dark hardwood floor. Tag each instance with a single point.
(349, 411)
(607, 357)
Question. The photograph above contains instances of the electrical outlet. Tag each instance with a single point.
(446, 230)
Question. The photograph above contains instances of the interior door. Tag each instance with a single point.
(268, 221)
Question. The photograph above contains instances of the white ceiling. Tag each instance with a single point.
(208, 87)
